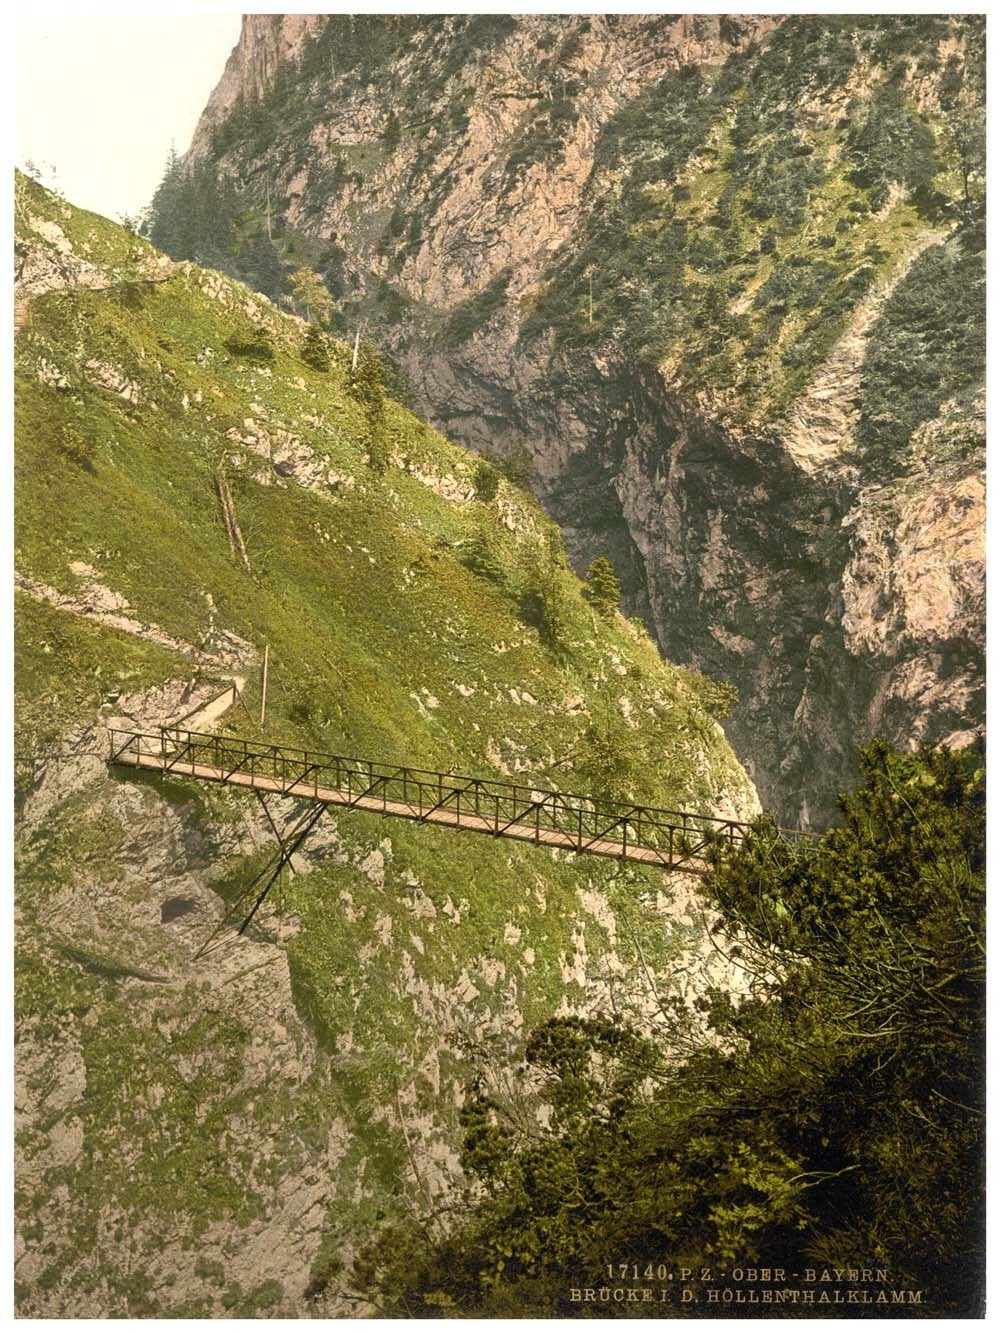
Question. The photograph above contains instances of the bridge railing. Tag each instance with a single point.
(503, 808)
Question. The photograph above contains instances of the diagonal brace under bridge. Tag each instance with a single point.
(288, 845)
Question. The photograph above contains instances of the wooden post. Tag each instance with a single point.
(357, 339)
(263, 686)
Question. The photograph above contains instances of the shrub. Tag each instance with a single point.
(257, 347)
(486, 481)
(717, 697)
(542, 605)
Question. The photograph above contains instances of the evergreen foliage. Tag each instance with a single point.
(717, 697)
(314, 349)
(968, 132)
(602, 590)
(259, 265)
(486, 481)
(365, 384)
(194, 212)
(310, 294)
(836, 1112)
(198, 213)
(928, 345)
(543, 603)
(891, 146)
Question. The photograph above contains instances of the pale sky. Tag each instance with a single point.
(101, 96)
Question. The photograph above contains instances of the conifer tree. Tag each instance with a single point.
(314, 351)
(603, 591)
(365, 385)
(310, 294)
(260, 267)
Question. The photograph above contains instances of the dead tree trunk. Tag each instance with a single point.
(236, 542)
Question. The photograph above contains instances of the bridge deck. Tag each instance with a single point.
(673, 840)
(619, 849)
(678, 840)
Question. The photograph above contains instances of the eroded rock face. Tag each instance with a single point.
(753, 547)
(841, 610)
(265, 41)
(49, 262)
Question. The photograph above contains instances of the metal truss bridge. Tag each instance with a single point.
(674, 840)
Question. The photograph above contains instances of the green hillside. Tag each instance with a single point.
(407, 620)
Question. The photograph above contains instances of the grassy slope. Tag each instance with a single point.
(349, 581)
(373, 622)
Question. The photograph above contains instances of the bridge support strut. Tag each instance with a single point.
(288, 845)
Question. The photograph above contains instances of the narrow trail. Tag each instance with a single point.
(205, 715)
(106, 607)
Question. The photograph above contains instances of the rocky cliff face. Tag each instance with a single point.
(682, 260)
(266, 43)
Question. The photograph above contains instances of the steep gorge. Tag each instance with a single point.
(722, 277)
